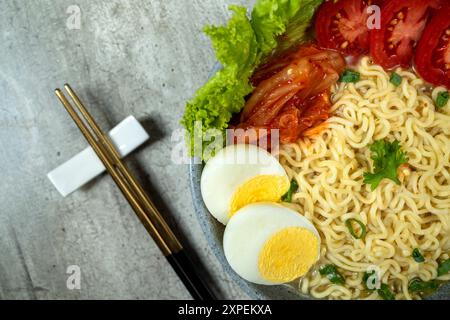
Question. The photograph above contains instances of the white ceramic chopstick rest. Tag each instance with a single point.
(85, 166)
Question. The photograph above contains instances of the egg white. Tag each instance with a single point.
(248, 231)
(231, 168)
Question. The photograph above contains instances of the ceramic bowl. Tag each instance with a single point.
(214, 234)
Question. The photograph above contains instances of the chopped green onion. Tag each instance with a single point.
(417, 285)
(292, 189)
(444, 268)
(442, 99)
(396, 79)
(418, 257)
(385, 293)
(350, 76)
(366, 277)
(332, 274)
(349, 224)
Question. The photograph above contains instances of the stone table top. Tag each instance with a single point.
(128, 57)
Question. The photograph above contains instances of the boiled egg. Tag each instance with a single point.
(269, 244)
(240, 175)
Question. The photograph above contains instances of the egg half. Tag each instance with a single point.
(269, 244)
(240, 175)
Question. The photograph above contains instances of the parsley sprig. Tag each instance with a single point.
(387, 157)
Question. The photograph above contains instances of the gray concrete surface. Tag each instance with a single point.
(139, 57)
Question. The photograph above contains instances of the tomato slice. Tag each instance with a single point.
(342, 26)
(402, 25)
(433, 52)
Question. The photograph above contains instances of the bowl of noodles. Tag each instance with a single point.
(373, 176)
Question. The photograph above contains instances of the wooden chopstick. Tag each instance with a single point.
(147, 212)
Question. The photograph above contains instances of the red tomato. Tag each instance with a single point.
(433, 52)
(342, 26)
(402, 25)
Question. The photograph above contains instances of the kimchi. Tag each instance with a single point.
(292, 92)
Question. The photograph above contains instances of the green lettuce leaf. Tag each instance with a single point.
(240, 46)
(224, 94)
(235, 44)
(214, 105)
(273, 18)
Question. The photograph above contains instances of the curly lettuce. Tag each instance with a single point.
(235, 44)
(215, 103)
(273, 18)
(240, 46)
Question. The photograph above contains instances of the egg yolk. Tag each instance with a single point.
(264, 188)
(288, 255)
